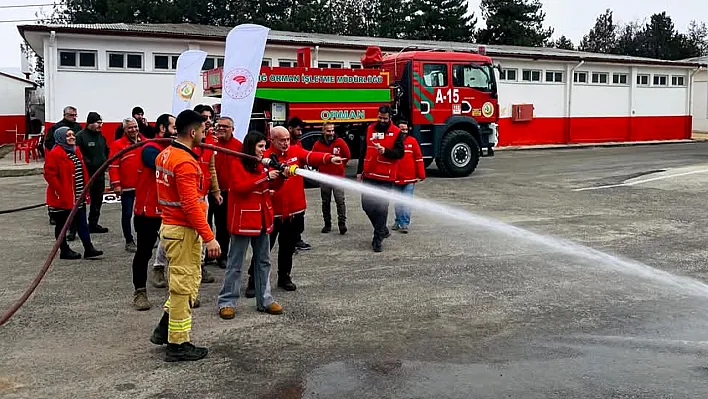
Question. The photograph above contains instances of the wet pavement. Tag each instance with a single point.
(447, 311)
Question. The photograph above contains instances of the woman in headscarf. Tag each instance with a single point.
(66, 176)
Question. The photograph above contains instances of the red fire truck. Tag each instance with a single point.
(448, 98)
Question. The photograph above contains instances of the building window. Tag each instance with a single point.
(355, 65)
(661, 80)
(528, 75)
(554, 76)
(642, 80)
(118, 60)
(212, 62)
(580, 77)
(77, 59)
(266, 62)
(165, 62)
(508, 75)
(435, 75)
(678, 80)
(328, 64)
(599, 77)
(620, 78)
(287, 63)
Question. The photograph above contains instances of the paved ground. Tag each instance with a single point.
(453, 310)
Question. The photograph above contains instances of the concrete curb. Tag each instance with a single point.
(20, 172)
(591, 145)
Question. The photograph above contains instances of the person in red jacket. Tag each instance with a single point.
(123, 173)
(411, 170)
(289, 203)
(66, 176)
(334, 145)
(225, 138)
(295, 126)
(381, 150)
(147, 217)
(250, 220)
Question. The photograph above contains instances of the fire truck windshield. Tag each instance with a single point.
(475, 76)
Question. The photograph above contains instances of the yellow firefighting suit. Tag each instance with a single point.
(183, 249)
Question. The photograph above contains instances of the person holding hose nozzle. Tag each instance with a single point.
(250, 220)
(184, 226)
(147, 217)
(378, 159)
(66, 175)
(289, 204)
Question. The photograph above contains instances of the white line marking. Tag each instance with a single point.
(643, 181)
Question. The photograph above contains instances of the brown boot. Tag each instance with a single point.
(227, 313)
(273, 308)
(140, 300)
(158, 277)
(207, 278)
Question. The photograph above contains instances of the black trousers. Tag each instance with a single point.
(376, 209)
(222, 233)
(286, 231)
(61, 215)
(96, 193)
(147, 230)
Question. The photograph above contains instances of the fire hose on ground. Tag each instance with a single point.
(28, 292)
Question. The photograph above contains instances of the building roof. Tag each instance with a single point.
(23, 80)
(219, 33)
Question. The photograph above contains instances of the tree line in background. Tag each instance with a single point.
(508, 22)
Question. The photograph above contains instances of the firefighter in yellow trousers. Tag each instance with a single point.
(184, 226)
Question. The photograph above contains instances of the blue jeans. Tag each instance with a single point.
(231, 289)
(403, 212)
(127, 200)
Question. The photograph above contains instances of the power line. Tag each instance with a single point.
(27, 5)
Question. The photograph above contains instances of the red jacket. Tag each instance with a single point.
(146, 188)
(179, 180)
(223, 161)
(124, 170)
(250, 204)
(377, 166)
(204, 159)
(59, 174)
(337, 147)
(290, 198)
(411, 167)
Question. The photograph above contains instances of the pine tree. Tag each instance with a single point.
(698, 37)
(441, 20)
(602, 38)
(564, 43)
(514, 22)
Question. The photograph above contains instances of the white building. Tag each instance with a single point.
(14, 94)
(576, 96)
(700, 97)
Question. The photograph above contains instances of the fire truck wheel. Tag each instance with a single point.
(459, 154)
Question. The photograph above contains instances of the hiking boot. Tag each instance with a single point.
(287, 284)
(97, 229)
(91, 253)
(131, 247)
(404, 230)
(303, 246)
(342, 229)
(250, 288)
(327, 228)
(158, 277)
(227, 313)
(185, 351)
(70, 254)
(273, 308)
(396, 227)
(207, 278)
(140, 300)
(376, 245)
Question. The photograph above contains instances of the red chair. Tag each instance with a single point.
(28, 147)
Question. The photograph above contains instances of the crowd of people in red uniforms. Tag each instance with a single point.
(248, 203)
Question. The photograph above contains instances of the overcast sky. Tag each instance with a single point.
(572, 18)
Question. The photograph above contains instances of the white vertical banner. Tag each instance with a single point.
(245, 46)
(187, 79)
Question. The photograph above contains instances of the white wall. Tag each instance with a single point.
(700, 102)
(12, 93)
(548, 99)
